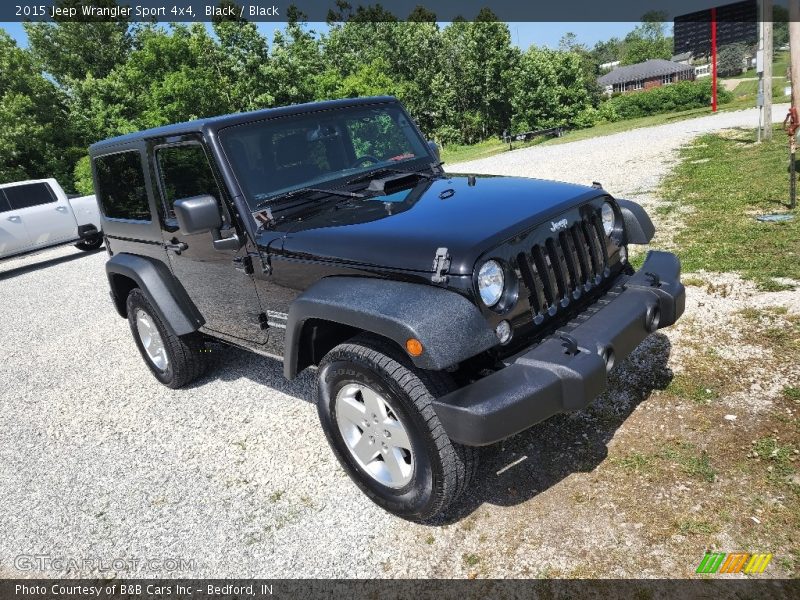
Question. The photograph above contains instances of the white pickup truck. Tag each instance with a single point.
(37, 214)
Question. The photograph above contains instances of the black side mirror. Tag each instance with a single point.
(198, 214)
(434, 148)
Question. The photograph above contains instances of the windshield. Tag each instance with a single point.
(276, 156)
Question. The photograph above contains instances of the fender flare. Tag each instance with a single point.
(450, 327)
(638, 226)
(165, 294)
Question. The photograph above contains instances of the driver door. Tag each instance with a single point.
(226, 297)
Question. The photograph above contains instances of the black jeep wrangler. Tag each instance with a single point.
(442, 312)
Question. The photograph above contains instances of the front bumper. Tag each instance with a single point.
(567, 370)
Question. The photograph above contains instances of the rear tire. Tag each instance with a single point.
(90, 243)
(433, 471)
(174, 360)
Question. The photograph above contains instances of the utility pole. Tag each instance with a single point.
(766, 18)
(791, 120)
(794, 49)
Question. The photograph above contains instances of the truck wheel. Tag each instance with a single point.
(174, 360)
(90, 243)
(375, 408)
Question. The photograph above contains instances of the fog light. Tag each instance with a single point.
(503, 331)
(623, 254)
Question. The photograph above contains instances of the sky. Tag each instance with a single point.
(522, 34)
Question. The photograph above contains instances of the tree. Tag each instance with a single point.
(242, 61)
(730, 60)
(780, 29)
(550, 89)
(69, 51)
(473, 90)
(171, 77)
(35, 133)
(647, 41)
(608, 51)
(295, 65)
(569, 42)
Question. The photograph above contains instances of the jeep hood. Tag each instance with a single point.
(403, 229)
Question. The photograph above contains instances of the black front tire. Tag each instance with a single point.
(90, 244)
(442, 469)
(186, 354)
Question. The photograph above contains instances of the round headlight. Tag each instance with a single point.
(491, 282)
(609, 218)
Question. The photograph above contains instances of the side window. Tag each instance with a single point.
(122, 193)
(185, 172)
(4, 205)
(29, 194)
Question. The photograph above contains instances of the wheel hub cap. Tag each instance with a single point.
(151, 340)
(375, 436)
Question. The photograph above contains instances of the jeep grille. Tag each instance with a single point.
(564, 267)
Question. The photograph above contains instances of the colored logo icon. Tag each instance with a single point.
(736, 562)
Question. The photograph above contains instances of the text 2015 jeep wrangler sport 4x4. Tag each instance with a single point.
(443, 312)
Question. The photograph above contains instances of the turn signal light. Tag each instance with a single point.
(413, 346)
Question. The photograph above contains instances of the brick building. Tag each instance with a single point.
(643, 76)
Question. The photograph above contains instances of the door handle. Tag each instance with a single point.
(14, 219)
(61, 208)
(177, 248)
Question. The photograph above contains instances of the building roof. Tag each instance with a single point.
(655, 67)
(682, 56)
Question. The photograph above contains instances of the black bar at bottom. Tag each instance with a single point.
(413, 589)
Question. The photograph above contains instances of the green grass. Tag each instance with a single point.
(690, 461)
(628, 124)
(453, 153)
(727, 181)
(696, 527)
(780, 61)
(686, 387)
(636, 462)
(747, 90)
(471, 559)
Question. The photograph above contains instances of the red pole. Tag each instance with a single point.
(713, 60)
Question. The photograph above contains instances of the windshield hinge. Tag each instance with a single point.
(265, 218)
(441, 265)
(243, 264)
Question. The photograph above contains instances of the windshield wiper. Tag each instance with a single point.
(374, 172)
(308, 190)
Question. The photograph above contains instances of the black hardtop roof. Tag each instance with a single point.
(215, 123)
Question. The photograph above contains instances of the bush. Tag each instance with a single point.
(83, 177)
(668, 98)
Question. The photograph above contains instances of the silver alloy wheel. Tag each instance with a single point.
(151, 340)
(374, 435)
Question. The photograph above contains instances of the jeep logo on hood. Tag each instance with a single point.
(558, 225)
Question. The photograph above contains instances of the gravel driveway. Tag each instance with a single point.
(630, 163)
(233, 475)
